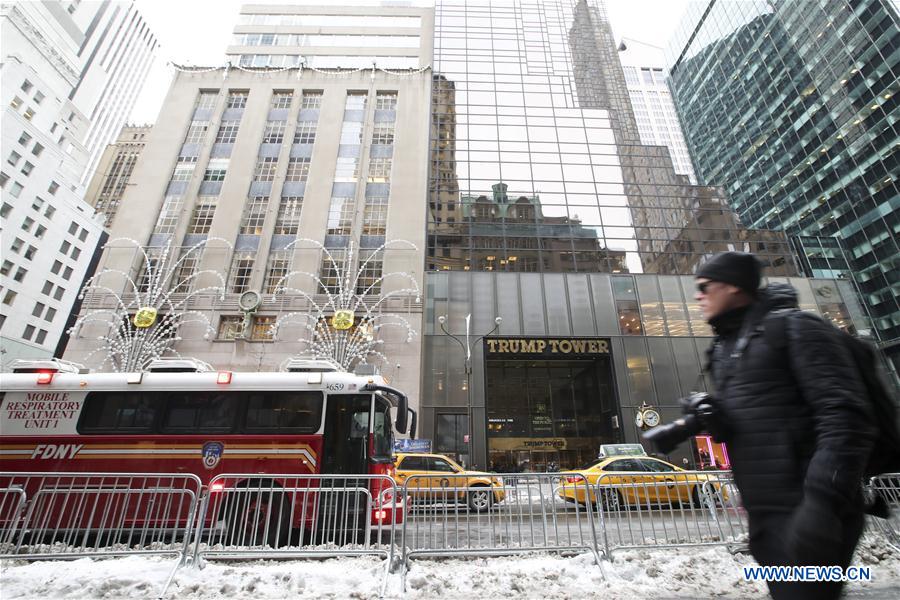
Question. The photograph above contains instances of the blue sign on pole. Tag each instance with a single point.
(406, 445)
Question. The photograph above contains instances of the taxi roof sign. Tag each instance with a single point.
(607, 450)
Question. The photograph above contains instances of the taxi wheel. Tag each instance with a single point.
(480, 499)
(697, 500)
(613, 500)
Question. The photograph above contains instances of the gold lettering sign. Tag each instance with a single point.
(342, 319)
(144, 317)
(547, 346)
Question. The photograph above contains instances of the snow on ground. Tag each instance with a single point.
(687, 572)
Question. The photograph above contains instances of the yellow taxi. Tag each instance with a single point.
(636, 480)
(437, 478)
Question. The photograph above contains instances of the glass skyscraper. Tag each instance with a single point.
(791, 106)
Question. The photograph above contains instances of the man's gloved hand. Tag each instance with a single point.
(705, 408)
(815, 532)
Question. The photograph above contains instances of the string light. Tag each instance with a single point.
(128, 347)
(356, 345)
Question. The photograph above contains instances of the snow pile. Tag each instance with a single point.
(688, 573)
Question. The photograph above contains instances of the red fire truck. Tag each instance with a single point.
(181, 416)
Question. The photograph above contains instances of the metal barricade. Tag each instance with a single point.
(297, 516)
(449, 515)
(53, 515)
(887, 486)
(668, 509)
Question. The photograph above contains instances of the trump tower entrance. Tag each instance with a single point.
(551, 402)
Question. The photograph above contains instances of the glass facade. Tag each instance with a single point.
(543, 411)
(791, 106)
(536, 161)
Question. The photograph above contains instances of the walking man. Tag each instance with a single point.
(792, 408)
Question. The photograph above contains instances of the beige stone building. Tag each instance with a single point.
(114, 171)
(255, 176)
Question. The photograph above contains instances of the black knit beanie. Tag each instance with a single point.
(735, 268)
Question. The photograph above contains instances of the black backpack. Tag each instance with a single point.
(885, 456)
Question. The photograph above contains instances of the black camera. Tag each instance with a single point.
(699, 412)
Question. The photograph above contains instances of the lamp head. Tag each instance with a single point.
(442, 319)
(498, 320)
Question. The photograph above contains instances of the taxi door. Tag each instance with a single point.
(668, 486)
(634, 488)
(412, 469)
(445, 487)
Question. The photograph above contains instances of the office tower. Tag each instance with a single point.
(548, 210)
(791, 107)
(70, 75)
(645, 76)
(114, 171)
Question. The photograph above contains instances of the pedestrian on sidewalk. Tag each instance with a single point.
(795, 418)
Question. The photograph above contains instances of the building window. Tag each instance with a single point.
(216, 169)
(196, 132)
(73, 228)
(48, 288)
(287, 222)
(305, 132)
(241, 271)
(187, 267)
(340, 216)
(386, 101)
(76, 252)
(265, 169)
(57, 266)
(230, 327)
(380, 169)
(38, 97)
(30, 252)
(51, 314)
(370, 267)
(356, 100)
(37, 149)
(83, 234)
(59, 292)
(14, 158)
(27, 168)
(40, 231)
(274, 133)
(24, 139)
(383, 134)
(21, 272)
(28, 333)
(17, 244)
(375, 215)
(282, 99)
(41, 336)
(227, 133)
(278, 268)
(184, 168)
(202, 218)
(6, 268)
(297, 169)
(38, 309)
(26, 86)
(328, 273)
(311, 100)
(207, 99)
(50, 212)
(3, 179)
(262, 329)
(254, 215)
(16, 189)
(7, 208)
(237, 99)
(346, 169)
(168, 216)
(67, 273)
(351, 133)
(27, 224)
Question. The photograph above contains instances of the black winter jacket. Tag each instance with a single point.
(795, 415)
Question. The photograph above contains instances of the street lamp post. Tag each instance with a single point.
(467, 354)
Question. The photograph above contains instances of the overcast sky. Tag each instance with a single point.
(197, 32)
